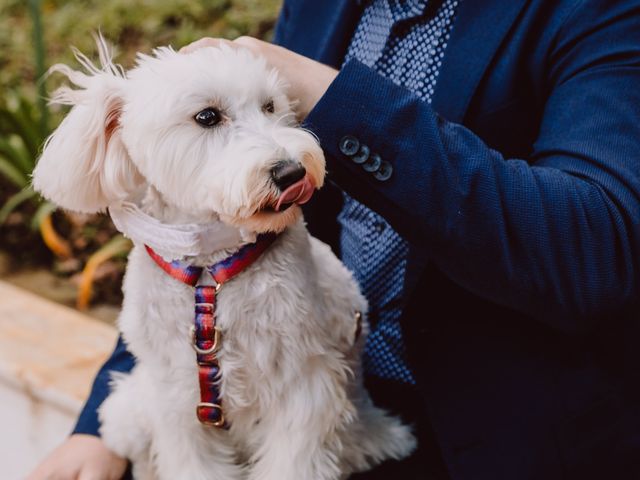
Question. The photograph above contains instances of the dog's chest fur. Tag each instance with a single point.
(279, 319)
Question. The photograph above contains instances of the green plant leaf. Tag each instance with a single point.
(17, 155)
(15, 201)
(9, 171)
(118, 246)
(27, 126)
(26, 129)
(34, 123)
(35, 9)
(43, 210)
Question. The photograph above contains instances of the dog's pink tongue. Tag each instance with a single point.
(300, 192)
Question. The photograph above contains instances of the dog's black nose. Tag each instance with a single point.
(287, 172)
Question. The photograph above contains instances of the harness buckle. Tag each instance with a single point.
(203, 417)
(206, 351)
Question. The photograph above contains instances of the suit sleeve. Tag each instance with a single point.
(121, 360)
(554, 235)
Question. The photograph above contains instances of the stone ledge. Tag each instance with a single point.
(49, 355)
(50, 350)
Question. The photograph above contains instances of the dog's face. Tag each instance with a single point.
(212, 131)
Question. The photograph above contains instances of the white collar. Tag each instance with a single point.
(175, 242)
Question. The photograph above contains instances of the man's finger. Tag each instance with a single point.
(203, 42)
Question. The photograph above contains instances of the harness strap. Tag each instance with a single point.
(206, 340)
(206, 336)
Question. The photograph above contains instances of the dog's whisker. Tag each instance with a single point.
(284, 116)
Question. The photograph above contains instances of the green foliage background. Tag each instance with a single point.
(132, 25)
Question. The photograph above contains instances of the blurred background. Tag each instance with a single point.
(73, 259)
(61, 273)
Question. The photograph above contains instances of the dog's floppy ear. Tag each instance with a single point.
(84, 165)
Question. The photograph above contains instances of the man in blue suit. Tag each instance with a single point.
(484, 158)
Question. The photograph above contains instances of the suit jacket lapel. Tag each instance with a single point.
(479, 29)
(322, 29)
(342, 24)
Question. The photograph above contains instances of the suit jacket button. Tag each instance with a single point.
(384, 172)
(362, 155)
(373, 165)
(349, 145)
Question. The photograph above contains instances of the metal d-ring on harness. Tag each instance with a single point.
(205, 335)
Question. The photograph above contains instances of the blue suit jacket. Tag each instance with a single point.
(519, 192)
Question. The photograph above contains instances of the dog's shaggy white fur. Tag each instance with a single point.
(291, 380)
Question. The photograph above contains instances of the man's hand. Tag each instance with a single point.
(308, 80)
(80, 457)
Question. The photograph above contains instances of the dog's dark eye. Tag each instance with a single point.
(209, 117)
(269, 107)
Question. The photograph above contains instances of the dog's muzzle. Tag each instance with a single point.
(293, 182)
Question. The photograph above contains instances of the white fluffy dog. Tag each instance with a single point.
(208, 138)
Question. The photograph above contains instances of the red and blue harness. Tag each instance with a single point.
(205, 334)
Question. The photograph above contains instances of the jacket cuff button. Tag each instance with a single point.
(349, 145)
(362, 155)
(384, 172)
(374, 163)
